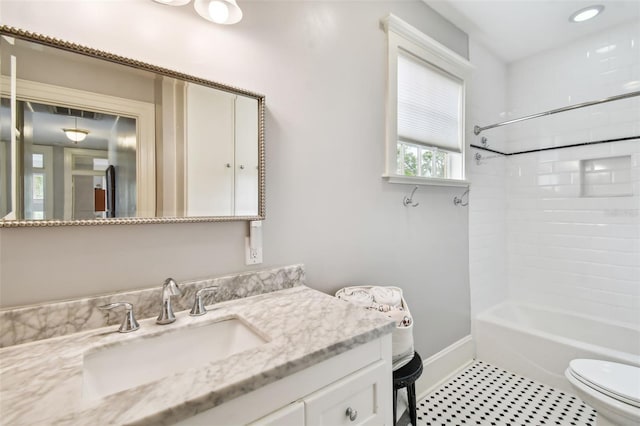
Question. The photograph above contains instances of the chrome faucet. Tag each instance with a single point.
(129, 322)
(169, 288)
(198, 305)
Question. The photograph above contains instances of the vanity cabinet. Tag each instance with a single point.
(291, 415)
(354, 400)
(353, 388)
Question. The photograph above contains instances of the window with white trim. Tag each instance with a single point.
(425, 110)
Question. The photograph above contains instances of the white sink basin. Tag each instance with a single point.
(119, 367)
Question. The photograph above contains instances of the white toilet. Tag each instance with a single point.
(612, 389)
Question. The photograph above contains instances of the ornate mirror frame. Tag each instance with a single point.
(99, 54)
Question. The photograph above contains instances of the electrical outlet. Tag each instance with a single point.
(252, 256)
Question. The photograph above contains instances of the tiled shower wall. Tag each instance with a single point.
(487, 199)
(573, 221)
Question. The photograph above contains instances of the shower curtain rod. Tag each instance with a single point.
(478, 129)
(484, 148)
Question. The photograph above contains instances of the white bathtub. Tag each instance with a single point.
(538, 342)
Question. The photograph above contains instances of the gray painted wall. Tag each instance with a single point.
(321, 66)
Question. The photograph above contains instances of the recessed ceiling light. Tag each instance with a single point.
(586, 13)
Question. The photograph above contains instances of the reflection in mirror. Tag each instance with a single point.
(226, 171)
(83, 138)
(7, 195)
(64, 157)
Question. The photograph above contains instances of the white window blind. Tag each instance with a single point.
(429, 105)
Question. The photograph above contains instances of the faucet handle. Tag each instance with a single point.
(198, 305)
(129, 322)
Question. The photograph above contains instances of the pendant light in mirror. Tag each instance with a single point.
(75, 134)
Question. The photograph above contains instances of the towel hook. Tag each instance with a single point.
(406, 201)
(478, 158)
(459, 201)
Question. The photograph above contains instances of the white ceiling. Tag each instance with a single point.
(515, 29)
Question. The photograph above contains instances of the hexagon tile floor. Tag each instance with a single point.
(486, 395)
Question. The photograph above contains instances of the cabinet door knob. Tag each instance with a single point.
(241, 167)
(352, 414)
(228, 165)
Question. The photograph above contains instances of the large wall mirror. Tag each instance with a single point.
(87, 137)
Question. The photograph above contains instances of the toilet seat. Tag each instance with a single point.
(618, 381)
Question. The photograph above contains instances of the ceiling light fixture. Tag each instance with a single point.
(76, 135)
(224, 12)
(173, 2)
(586, 13)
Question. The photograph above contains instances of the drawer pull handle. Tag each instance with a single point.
(353, 414)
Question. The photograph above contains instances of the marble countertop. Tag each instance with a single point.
(42, 382)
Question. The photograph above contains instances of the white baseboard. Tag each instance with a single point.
(441, 366)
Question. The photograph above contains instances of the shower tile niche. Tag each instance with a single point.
(606, 177)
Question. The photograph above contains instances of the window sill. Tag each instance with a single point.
(414, 180)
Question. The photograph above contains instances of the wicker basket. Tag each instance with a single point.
(402, 337)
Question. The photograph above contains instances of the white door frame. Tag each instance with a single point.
(3, 174)
(69, 173)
